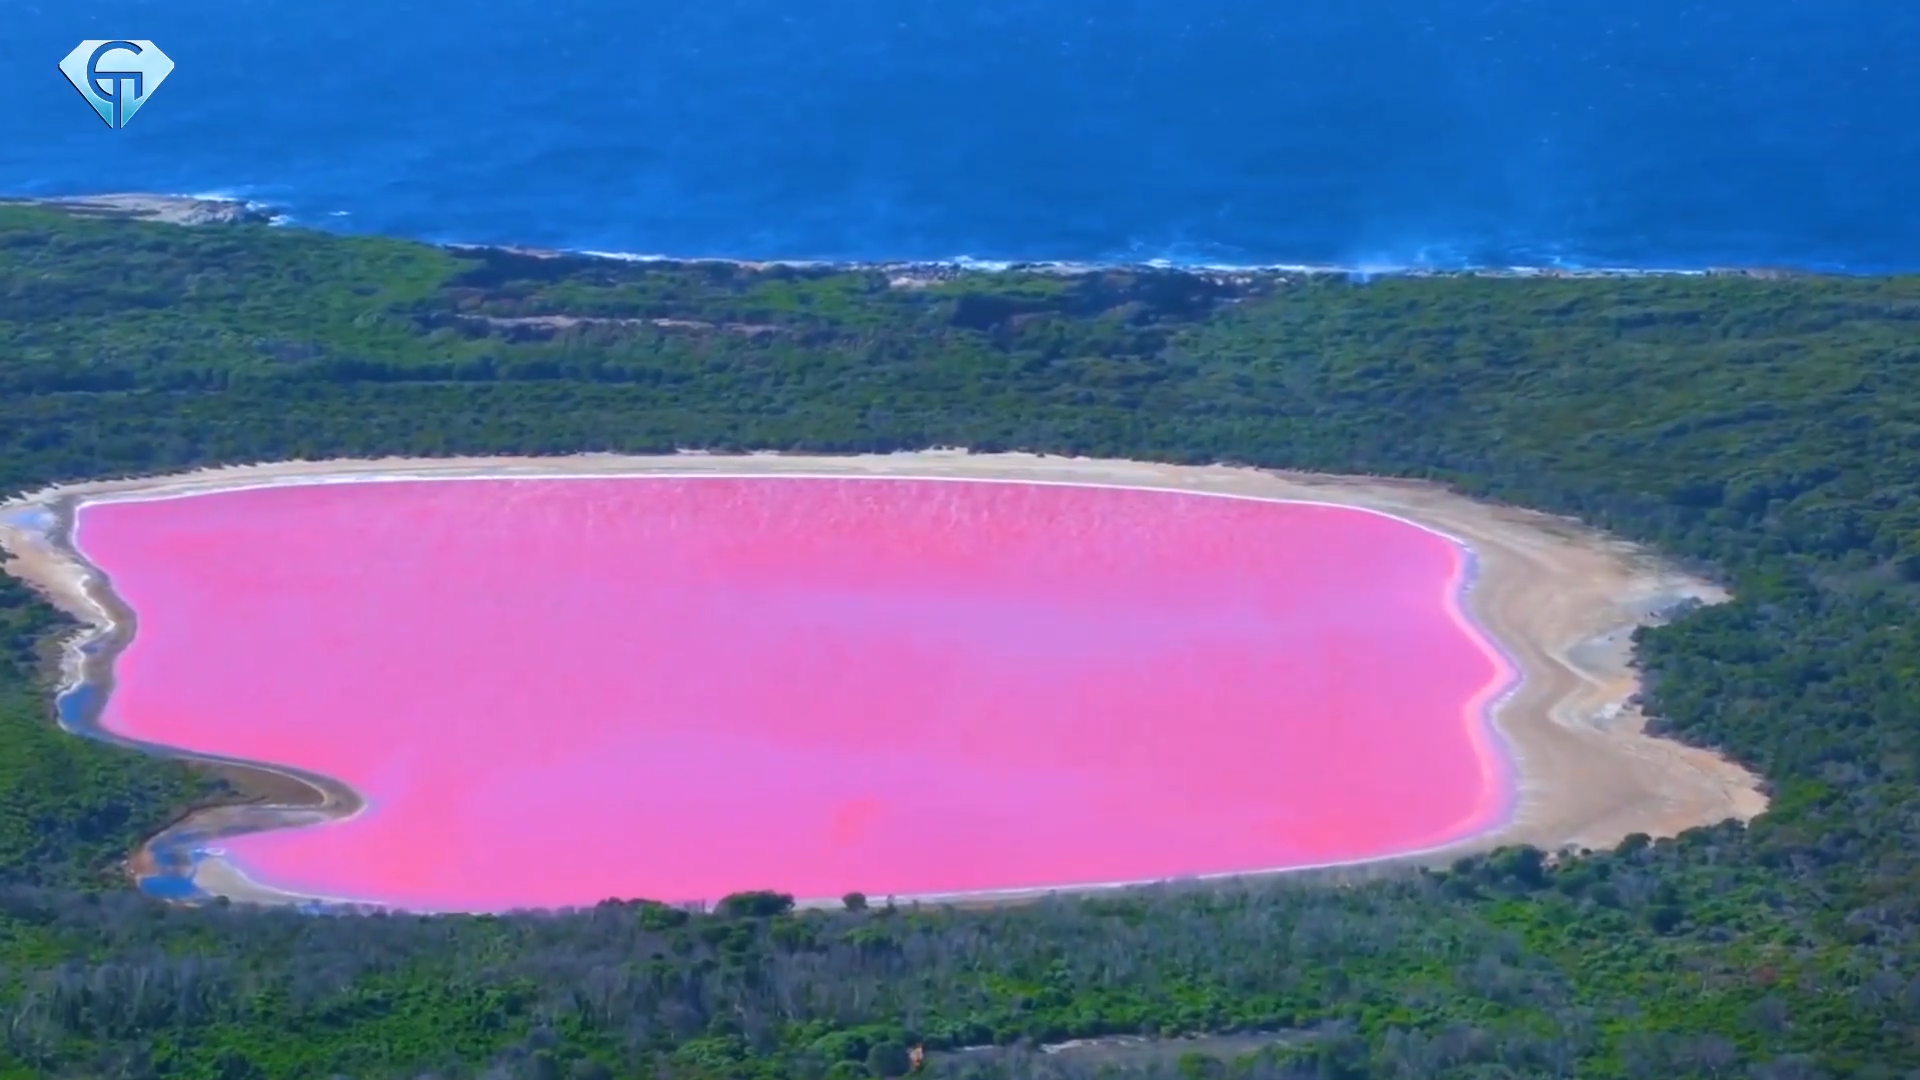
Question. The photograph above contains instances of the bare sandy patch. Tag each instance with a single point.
(169, 209)
(1560, 599)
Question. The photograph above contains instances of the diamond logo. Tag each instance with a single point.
(116, 77)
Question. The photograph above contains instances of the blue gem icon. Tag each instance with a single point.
(116, 77)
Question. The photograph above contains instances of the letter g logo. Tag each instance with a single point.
(116, 77)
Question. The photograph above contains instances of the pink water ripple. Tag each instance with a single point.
(555, 691)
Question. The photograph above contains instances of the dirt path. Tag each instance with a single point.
(1560, 599)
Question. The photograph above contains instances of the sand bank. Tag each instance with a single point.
(1561, 601)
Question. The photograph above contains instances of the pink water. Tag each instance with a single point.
(557, 691)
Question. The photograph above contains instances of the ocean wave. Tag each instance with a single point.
(975, 265)
(1363, 269)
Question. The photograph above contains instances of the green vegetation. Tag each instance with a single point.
(1766, 429)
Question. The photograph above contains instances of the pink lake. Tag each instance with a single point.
(556, 691)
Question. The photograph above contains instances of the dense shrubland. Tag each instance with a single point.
(1768, 430)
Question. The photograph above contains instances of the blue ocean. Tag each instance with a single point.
(1364, 133)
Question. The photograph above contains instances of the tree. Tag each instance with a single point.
(759, 904)
(889, 1058)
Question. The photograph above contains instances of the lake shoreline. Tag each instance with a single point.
(1582, 778)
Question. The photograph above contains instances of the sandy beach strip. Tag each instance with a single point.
(1558, 600)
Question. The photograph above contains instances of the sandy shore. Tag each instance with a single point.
(1561, 600)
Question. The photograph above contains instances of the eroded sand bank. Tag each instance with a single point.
(1559, 599)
